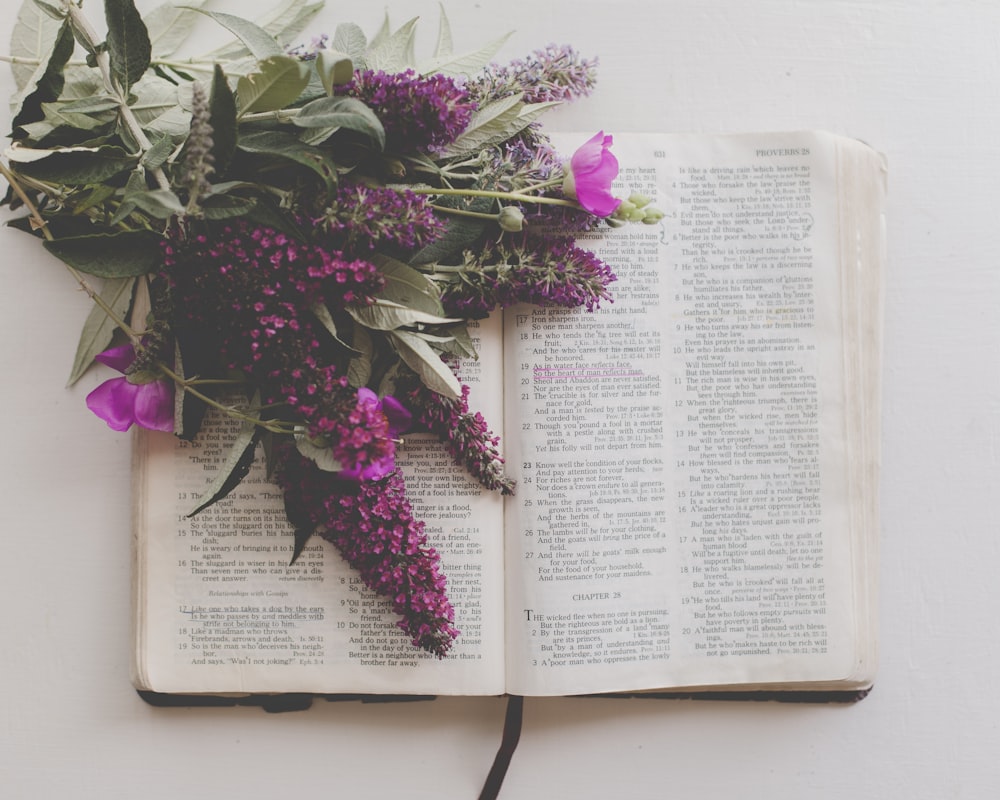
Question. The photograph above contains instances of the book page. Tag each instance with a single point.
(220, 610)
(683, 515)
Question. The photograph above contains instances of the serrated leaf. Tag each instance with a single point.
(407, 287)
(334, 69)
(444, 46)
(350, 40)
(235, 468)
(465, 63)
(426, 363)
(116, 255)
(169, 26)
(222, 118)
(284, 145)
(99, 330)
(384, 315)
(76, 166)
(341, 112)
(278, 83)
(395, 52)
(261, 44)
(359, 370)
(128, 42)
(382, 34)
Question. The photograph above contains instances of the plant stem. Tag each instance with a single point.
(88, 35)
(516, 197)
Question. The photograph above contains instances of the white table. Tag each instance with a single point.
(917, 80)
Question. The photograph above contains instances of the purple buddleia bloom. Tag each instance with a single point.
(371, 524)
(556, 73)
(547, 271)
(366, 439)
(363, 217)
(466, 435)
(420, 113)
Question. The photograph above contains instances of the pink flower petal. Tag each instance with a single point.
(154, 406)
(114, 402)
(117, 358)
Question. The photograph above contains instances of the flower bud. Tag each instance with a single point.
(638, 200)
(511, 219)
(651, 216)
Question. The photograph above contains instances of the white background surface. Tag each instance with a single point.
(917, 80)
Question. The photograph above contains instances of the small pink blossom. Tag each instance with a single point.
(120, 402)
(592, 169)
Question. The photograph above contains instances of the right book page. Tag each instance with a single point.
(697, 462)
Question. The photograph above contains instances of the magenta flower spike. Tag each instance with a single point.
(592, 169)
(122, 403)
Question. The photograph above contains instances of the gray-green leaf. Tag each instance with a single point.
(408, 287)
(99, 329)
(116, 255)
(169, 26)
(235, 469)
(277, 84)
(393, 53)
(128, 42)
(464, 63)
(384, 315)
(284, 145)
(259, 42)
(350, 40)
(334, 69)
(341, 112)
(426, 362)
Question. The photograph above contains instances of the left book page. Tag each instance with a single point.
(218, 609)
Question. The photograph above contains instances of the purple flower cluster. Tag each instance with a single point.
(550, 271)
(420, 113)
(255, 287)
(367, 216)
(556, 73)
(466, 435)
(371, 523)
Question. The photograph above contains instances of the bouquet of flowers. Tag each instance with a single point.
(309, 228)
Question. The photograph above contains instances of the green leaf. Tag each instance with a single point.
(157, 106)
(426, 362)
(464, 63)
(51, 44)
(158, 203)
(394, 53)
(76, 166)
(285, 145)
(350, 40)
(157, 155)
(341, 112)
(444, 46)
(359, 370)
(322, 314)
(334, 69)
(128, 42)
(407, 287)
(277, 84)
(261, 44)
(494, 123)
(302, 536)
(236, 466)
(222, 118)
(384, 315)
(321, 455)
(116, 255)
(226, 206)
(170, 25)
(461, 232)
(32, 43)
(99, 330)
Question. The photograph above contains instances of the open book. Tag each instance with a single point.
(697, 469)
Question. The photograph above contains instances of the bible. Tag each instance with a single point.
(697, 469)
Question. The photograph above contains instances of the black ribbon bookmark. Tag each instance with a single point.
(508, 744)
